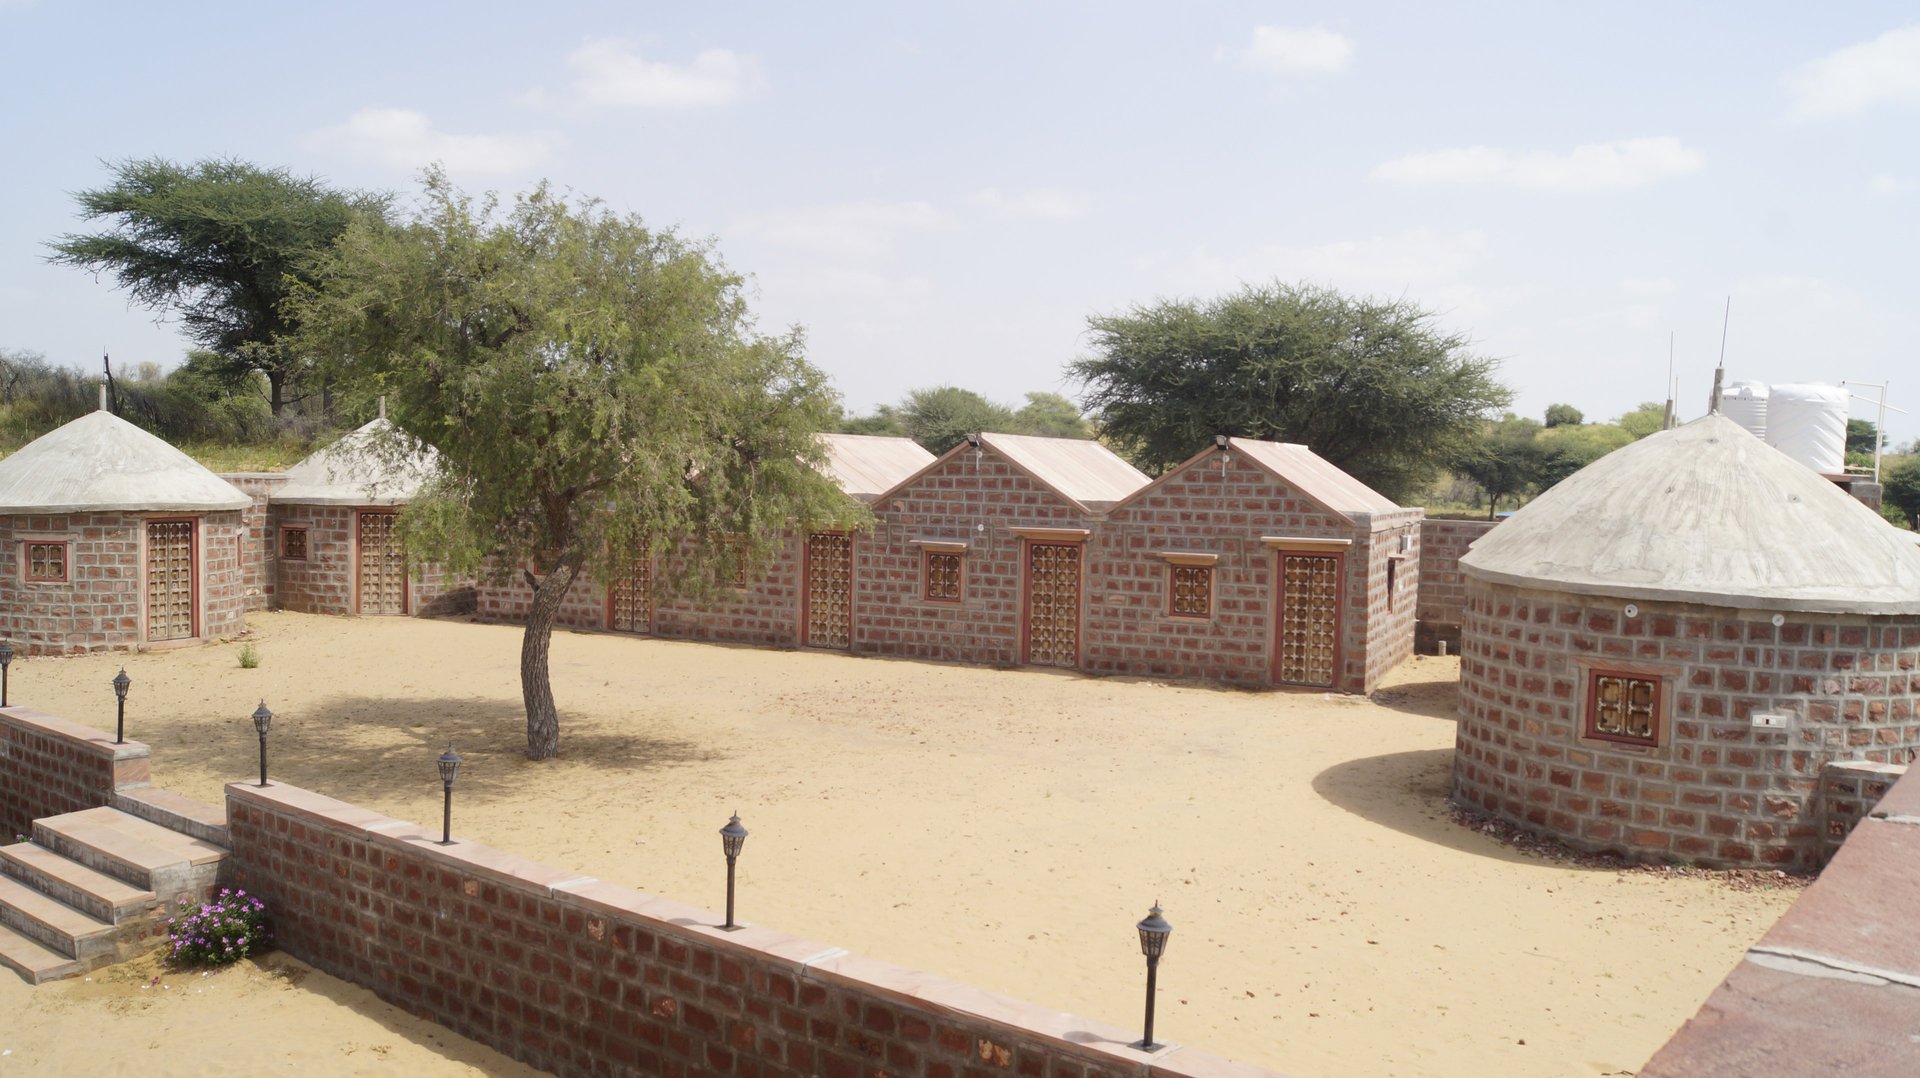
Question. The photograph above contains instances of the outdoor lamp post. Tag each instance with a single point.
(262, 719)
(1153, 943)
(449, 767)
(6, 660)
(732, 838)
(121, 683)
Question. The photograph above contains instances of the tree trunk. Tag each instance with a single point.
(536, 682)
(276, 391)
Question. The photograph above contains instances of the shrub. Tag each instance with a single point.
(226, 929)
(249, 656)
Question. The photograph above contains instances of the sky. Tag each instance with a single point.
(942, 194)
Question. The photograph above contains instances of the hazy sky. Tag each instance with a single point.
(942, 195)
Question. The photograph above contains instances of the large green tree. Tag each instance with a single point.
(222, 244)
(1374, 386)
(595, 390)
(1900, 487)
(941, 417)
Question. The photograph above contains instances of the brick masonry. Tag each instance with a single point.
(581, 977)
(49, 766)
(1716, 790)
(324, 581)
(258, 565)
(1443, 589)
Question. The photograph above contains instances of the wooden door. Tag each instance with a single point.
(829, 590)
(1053, 604)
(383, 566)
(1307, 641)
(170, 592)
(632, 599)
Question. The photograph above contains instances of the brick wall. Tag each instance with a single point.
(767, 612)
(257, 566)
(1443, 590)
(1390, 595)
(1849, 789)
(49, 765)
(1716, 790)
(322, 582)
(222, 579)
(581, 977)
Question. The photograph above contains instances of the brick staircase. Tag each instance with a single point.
(95, 887)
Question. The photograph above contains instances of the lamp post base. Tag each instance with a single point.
(1147, 1046)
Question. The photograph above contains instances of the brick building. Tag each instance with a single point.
(1255, 563)
(113, 540)
(1664, 654)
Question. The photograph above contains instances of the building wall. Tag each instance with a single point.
(259, 574)
(1443, 589)
(1391, 595)
(322, 582)
(766, 612)
(223, 539)
(1717, 790)
(49, 766)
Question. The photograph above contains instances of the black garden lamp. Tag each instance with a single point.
(449, 767)
(262, 720)
(1153, 943)
(6, 660)
(732, 838)
(121, 683)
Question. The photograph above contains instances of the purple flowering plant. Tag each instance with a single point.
(226, 928)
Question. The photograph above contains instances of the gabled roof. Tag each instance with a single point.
(1082, 471)
(1315, 476)
(101, 463)
(868, 465)
(355, 471)
(1705, 513)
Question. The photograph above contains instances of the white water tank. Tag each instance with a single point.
(1746, 404)
(1808, 422)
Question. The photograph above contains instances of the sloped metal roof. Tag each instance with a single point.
(352, 471)
(1705, 513)
(1085, 471)
(101, 463)
(868, 465)
(1315, 476)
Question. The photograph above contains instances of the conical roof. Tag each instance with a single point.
(358, 470)
(101, 463)
(1705, 513)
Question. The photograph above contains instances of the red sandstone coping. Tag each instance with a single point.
(1901, 801)
(815, 960)
(87, 738)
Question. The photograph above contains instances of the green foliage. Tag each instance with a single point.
(218, 932)
(1649, 418)
(1373, 386)
(1567, 449)
(181, 407)
(1863, 438)
(249, 656)
(1051, 415)
(941, 417)
(1900, 487)
(1506, 461)
(595, 390)
(221, 243)
(1564, 415)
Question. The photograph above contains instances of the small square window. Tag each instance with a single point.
(1623, 707)
(945, 573)
(1190, 591)
(293, 544)
(47, 563)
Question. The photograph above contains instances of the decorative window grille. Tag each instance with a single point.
(383, 565)
(1624, 708)
(943, 575)
(633, 598)
(1190, 591)
(170, 580)
(829, 590)
(47, 563)
(293, 544)
(1053, 604)
(1309, 618)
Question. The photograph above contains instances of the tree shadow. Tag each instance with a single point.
(1434, 699)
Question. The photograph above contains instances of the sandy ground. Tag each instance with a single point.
(1005, 828)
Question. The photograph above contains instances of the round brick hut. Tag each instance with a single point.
(334, 519)
(1661, 654)
(116, 540)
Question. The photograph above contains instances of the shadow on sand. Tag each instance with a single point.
(1434, 699)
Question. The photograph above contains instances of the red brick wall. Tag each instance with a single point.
(223, 592)
(1849, 789)
(49, 765)
(1443, 590)
(322, 583)
(1390, 611)
(1717, 790)
(581, 977)
(766, 613)
(258, 575)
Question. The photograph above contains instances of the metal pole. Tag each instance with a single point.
(263, 757)
(446, 818)
(1146, 1040)
(730, 923)
(3, 686)
(120, 727)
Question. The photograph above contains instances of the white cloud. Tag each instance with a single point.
(1295, 50)
(1887, 183)
(406, 139)
(847, 229)
(1047, 203)
(1596, 166)
(1647, 286)
(1884, 70)
(1374, 265)
(611, 72)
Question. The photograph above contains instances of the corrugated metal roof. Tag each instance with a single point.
(1315, 476)
(1705, 513)
(355, 471)
(100, 463)
(868, 465)
(1085, 471)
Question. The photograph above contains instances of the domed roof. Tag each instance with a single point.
(101, 463)
(1705, 513)
(361, 468)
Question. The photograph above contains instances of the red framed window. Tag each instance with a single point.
(1623, 707)
(944, 572)
(293, 544)
(45, 562)
(1190, 591)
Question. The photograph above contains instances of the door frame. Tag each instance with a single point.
(1335, 549)
(806, 587)
(406, 579)
(1030, 538)
(195, 576)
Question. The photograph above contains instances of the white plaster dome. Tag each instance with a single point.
(102, 463)
(365, 467)
(1705, 513)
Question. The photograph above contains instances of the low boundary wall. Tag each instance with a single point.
(49, 765)
(578, 976)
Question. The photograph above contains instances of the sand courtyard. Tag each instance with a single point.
(1000, 827)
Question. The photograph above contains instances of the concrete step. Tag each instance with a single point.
(96, 894)
(54, 924)
(35, 963)
(144, 854)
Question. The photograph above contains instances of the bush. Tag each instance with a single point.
(249, 656)
(224, 930)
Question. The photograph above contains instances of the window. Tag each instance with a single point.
(47, 563)
(944, 571)
(1623, 707)
(293, 544)
(1190, 591)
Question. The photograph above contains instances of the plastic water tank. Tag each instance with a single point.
(1808, 422)
(1746, 404)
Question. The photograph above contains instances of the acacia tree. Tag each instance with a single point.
(595, 391)
(222, 243)
(1371, 385)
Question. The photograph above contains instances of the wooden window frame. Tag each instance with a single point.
(306, 543)
(1190, 559)
(1590, 708)
(66, 561)
(956, 551)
